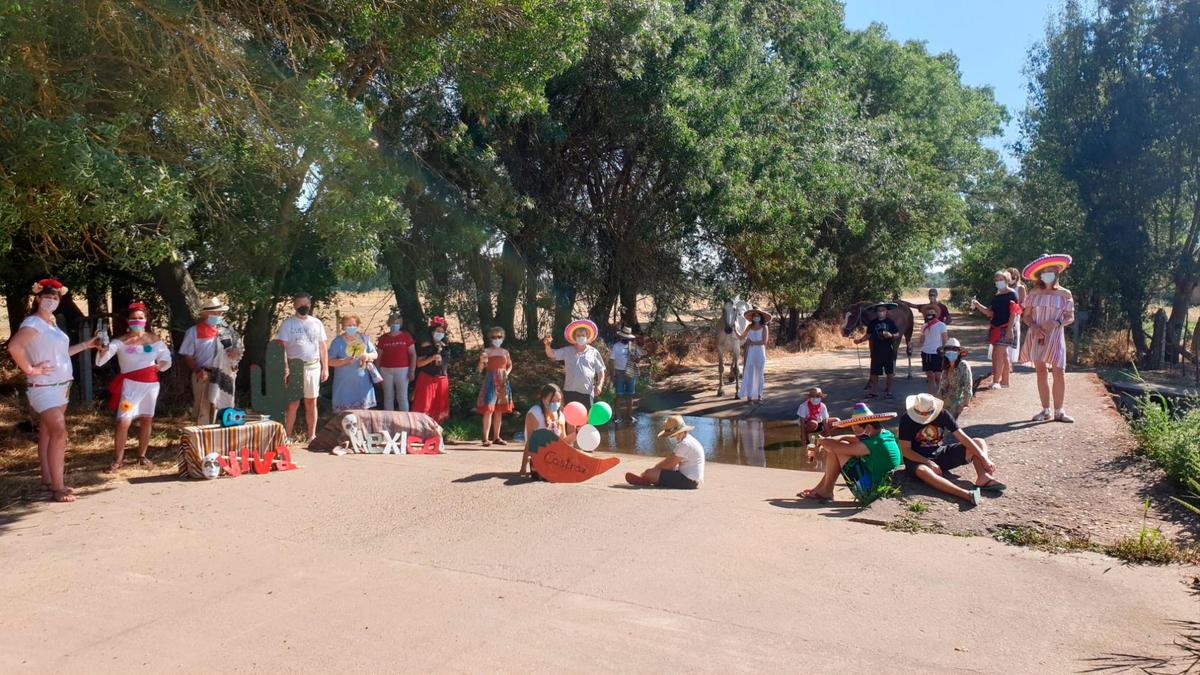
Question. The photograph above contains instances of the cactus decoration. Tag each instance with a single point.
(270, 397)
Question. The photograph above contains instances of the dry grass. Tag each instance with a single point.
(1106, 348)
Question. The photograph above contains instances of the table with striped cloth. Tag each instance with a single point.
(196, 442)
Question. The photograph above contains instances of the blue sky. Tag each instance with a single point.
(990, 37)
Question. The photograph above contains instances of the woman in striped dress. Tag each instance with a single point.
(1048, 310)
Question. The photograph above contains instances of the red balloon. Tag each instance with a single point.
(576, 414)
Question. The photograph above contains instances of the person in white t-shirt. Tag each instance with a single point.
(624, 356)
(304, 338)
(43, 353)
(683, 469)
(933, 338)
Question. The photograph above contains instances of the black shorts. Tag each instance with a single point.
(947, 457)
(883, 362)
(670, 478)
(931, 362)
(576, 397)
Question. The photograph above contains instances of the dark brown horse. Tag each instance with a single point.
(860, 314)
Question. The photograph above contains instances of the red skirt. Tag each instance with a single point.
(997, 335)
(431, 395)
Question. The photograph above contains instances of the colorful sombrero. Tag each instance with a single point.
(1032, 270)
(585, 324)
(863, 415)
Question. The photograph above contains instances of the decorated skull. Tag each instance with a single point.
(210, 466)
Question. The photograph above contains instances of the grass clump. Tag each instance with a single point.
(1171, 440)
(918, 507)
(1151, 547)
(1030, 537)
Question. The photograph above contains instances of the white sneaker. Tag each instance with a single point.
(1043, 416)
(996, 386)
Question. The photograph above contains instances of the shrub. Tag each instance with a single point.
(1172, 440)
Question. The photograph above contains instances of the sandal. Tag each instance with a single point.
(993, 485)
(812, 494)
(499, 441)
(145, 462)
(487, 444)
(975, 497)
(112, 468)
(63, 495)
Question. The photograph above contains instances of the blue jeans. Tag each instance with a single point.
(625, 385)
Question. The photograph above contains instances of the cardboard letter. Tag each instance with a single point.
(264, 465)
(285, 458)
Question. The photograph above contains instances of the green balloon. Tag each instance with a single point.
(599, 414)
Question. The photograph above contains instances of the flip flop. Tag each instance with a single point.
(975, 497)
(993, 486)
(813, 495)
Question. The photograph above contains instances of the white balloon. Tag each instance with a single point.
(588, 438)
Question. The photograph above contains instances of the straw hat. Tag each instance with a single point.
(1034, 268)
(749, 314)
(625, 334)
(674, 425)
(923, 408)
(816, 390)
(954, 345)
(929, 307)
(588, 326)
(214, 304)
(863, 415)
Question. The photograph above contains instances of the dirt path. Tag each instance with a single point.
(1079, 480)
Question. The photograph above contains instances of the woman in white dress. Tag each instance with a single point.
(43, 353)
(134, 392)
(754, 367)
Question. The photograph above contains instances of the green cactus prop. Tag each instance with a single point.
(272, 396)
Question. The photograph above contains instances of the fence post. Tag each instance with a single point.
(1077, 327)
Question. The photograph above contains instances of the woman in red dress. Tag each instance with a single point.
(495, 394)
(431, 392)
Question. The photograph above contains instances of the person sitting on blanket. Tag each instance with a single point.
(683, 469)
(871, 451)
(928, 456)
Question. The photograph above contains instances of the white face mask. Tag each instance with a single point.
(395, 328)
(1001, 285)
(496, 342)
(48, 304)
(1048, 277)
(437, 337)
(581, 341)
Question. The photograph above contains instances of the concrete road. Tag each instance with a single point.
(377, 563)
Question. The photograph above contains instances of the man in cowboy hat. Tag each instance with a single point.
(683, 469)
(928, 455)
(584, 366)
(624, 358)
(812, 415)
(210, 349)
(870, 453)
(884, 337)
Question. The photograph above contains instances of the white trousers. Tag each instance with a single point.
(395, 388)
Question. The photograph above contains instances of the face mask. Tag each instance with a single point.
(951, 356)
(553, 406)
(136, 325)
(212, 320)
(48, 304)
(758, 319)
(929, 317)
(395, 328)
(496, 342)
(624, 341)
(351, 330)
(437, 337)
(1001, 285)
(303, 310)
(581, 341)
(1048, 277)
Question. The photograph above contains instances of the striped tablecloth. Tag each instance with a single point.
(197, 442)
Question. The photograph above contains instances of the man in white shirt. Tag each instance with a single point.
(683, 469)
(304, 338)
(201, 345)
(583, 364)
(624, 357)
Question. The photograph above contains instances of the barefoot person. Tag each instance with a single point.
(211, 350)
(134, 392)
(304, 338)
(1051, 310)
(884, 337)
(870, 453)
(683, 469)
(929, 456)
(583, 364)
(495, 393)
(43, 353)
(1001, 312)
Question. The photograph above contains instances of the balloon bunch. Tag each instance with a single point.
(588, 438)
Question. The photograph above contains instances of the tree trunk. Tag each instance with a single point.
(1180, 304)
(530, 306)
(177, 288)
(403, 277)
(792, 325)
(1157, 341)
(122, 295)
(255, 337)
(479, 267)
(1137, 330)
(564, 304)
(629, 311)
(16, 301)
(512, 273)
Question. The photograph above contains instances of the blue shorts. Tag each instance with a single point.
(625, 385)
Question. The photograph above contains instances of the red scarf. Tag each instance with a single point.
(205, 331)
(814, 411)
(930, 324)
(147, 374)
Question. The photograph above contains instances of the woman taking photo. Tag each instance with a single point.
(133, 393)
(1050, 309)
(352, 357)
(753, 371)
(431, 393)
(1001, 311)
(43, 353)
(956, 387)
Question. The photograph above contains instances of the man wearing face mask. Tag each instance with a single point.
(943, 312)
(211, 350)
(304, 339)
(884, 336)
(584, 366)
(624, 357)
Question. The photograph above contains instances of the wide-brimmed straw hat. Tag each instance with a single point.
(214, 304)
(819, 391)
(674, 425)
(861, 414)
(953, 345)
(587, 325)
(47, 286)
(929, 307)
(749, 314)
(923, 408)
(625, 334)
(1034, 268)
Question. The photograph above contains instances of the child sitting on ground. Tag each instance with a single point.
(813, 416)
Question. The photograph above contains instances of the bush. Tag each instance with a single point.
(1172, 440)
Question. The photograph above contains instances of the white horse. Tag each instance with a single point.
(732, 321)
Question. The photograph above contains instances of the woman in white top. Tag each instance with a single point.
(43, 352)
(546, 414)
(933, 337)
(134, 392)
(753, 372)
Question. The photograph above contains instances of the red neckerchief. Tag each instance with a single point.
(930, 324)
(147, 374)
(205, 331)
(813, 410)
